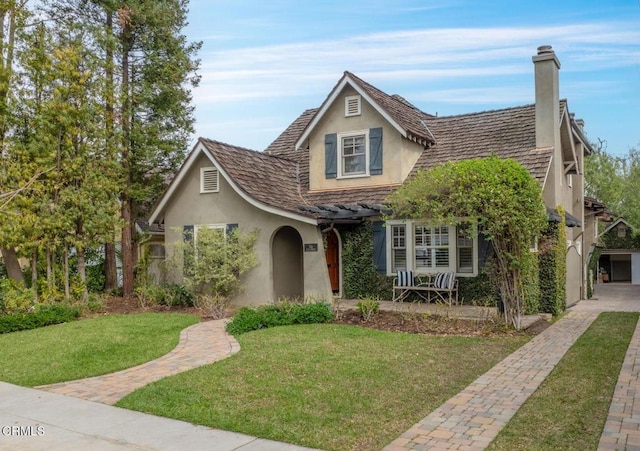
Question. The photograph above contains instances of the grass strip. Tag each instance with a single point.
(325, 386)
(570, 408)
(89, 347)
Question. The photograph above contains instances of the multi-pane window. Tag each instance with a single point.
(431, 247)
(354, 155)
(398, 248)
(465, 252)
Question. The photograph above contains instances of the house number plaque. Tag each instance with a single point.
(311, 247)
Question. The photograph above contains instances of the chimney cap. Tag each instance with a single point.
(545, 49)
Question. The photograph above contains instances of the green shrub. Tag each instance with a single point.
(43, 315)
(177, 295)
(360, 275)
(479, 290)
(14, 297)
(248, 319)
(169, 295)
(368, 307)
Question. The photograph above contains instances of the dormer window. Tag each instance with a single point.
(352, 106)
(209, 180)
(354, 154)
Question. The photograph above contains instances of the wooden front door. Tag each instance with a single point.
(333, 260)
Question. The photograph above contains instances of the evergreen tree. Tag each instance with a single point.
(151, 68)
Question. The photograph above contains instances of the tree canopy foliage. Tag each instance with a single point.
(504, 199)
(614, 180)
(95, 114)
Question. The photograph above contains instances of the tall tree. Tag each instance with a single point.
(74, 205)
(614, 180)
(158, 68)
(152, 68)
(13, 14)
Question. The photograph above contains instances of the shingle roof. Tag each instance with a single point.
(279, 176)
(404, 113)
(268, 179)
(285, 143)
(507, 133)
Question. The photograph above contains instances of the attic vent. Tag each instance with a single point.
(209, 180)
(352, 106)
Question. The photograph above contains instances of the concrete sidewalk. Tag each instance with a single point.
(37, 420)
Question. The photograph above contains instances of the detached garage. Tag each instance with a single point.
(620, 260)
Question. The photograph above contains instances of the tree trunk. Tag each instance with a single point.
(110, 267)
(13, 266)
(67, 291)
(127, 249)
(34, 274)
(82, 273)
(125, 118)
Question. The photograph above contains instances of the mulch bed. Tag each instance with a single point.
(383, 320)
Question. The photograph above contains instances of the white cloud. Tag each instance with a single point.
(416, 55)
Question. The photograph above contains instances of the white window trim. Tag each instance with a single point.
(347, 101)
(340, 155)
(410, 249)
(197, 227)
(203, 171)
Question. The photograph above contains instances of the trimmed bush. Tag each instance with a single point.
(44, 315)
(248, 319)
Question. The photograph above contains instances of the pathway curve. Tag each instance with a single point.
(472, 419)
(200, 344)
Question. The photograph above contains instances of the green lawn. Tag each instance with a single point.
(88, 348)
(327, 386)
(569, 410)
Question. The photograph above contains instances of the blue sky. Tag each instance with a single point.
(264, 62)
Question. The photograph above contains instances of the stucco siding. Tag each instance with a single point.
(399, 154)
(189, 207)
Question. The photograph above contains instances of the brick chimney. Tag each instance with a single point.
(547, 67)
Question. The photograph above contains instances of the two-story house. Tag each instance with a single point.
(335, 165)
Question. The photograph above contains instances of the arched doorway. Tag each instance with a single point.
(287, 263)
(332, 254)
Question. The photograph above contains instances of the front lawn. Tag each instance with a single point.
(328, 386)
(571, 406)
(89, 347)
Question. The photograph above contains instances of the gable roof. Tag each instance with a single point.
(277, 179)
(615, 224)
(403, 116)
(277, 192)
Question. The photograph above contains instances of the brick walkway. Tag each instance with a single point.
(472, 419)
(622, 429)
(200, 344)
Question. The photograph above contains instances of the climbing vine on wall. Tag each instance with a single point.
(553, 267)
(359, 274)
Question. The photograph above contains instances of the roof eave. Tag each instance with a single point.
(344, 81)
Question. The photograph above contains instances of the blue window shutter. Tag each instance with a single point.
(380, 247)
(375, 151)
(187, 233)
(331, 155)
(230, 228)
